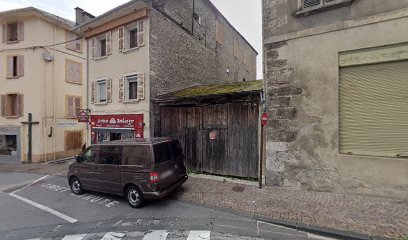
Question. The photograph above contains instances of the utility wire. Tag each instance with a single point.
(43, 46)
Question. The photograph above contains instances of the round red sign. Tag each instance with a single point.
(264, 119)
(213, 135)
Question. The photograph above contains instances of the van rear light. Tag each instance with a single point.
(154, 177)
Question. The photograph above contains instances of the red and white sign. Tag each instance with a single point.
(213, 135)
(83, 116)
(119, 121)
(264, 119)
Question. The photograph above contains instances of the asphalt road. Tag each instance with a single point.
(42, 207)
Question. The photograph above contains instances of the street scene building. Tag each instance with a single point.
(43, 72)
(336, 86)
(146, 49)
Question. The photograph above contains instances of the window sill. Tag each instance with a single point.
(101, 103)
(132, 101)
(76, 83)
(328, 6)
(129, 50)
(101, 58)
(13, 77)
(12, 117)
(12, 42)
(75, 50)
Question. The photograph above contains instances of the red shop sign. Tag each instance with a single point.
(134, 121)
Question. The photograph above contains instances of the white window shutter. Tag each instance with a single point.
(93, 48)
(109, 43)
(20, 65)
(20, 105)
(3, 33)
(3, 105)
(140, 33)
(78, 106)
(10, 66)
(70, 107)
(109, 90)
(141, 86)
(121, 89)
(121, 41)
(20, 31)
(93, 93)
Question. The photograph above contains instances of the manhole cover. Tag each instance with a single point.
(238, 188)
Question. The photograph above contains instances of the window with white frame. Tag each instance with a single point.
(131, 87)
(101, 90)
(131, 36)
(102, 45)
(13, 32)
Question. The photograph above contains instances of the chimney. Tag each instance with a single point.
(82, 16)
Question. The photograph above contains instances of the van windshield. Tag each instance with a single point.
(162, 152)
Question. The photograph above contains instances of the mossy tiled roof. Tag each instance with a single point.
(217, 89)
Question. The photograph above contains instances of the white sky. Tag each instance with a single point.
(245, 15)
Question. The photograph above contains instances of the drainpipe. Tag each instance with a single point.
(192, 19)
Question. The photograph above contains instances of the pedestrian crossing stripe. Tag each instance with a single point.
(150, 235)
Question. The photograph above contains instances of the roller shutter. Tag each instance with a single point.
(374, 109)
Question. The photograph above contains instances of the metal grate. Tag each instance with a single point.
(311, 3)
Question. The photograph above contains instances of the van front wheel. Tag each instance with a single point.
(134, 197)
(76, 186)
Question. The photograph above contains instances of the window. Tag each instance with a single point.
(162, 153)
(309, 6)
(8, 145)
(73, 72)
(13, 32)
(90, 155)
(15, 66)
(102, 45)
(12, 105)
(73, 106)
(131, 36)
(111, 155)
(101, 90)
(136, 155)
(131, 87)
(72, 44)
(73, 140)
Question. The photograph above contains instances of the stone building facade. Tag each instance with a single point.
(334, 76)
(45, 75)
(185, 43)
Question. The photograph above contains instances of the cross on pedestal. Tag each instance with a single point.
(30, 124)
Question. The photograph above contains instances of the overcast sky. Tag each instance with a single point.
(245, 15)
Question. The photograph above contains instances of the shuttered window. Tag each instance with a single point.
(131, 36)
(134, 87)
(102, 45)
(219, 32)
(12, 105)
(73, 72)
(311, 3)
(73, 43)
(72, 106)
(374, 109)
(73, 140)
(15, 66)
(13, 32)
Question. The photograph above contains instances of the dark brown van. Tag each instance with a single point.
(138, 169)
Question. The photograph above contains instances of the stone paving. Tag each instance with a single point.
(356, 213)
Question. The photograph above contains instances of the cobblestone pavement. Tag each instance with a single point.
(362, 214)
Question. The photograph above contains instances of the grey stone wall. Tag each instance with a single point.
(182, 58)
(280, 16)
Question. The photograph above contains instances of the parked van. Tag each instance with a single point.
(139, 169)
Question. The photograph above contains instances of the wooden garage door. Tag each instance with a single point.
(374, 109)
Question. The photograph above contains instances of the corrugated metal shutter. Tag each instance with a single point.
(311, 3)
(374, 109)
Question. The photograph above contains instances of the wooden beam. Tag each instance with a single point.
(137, 15)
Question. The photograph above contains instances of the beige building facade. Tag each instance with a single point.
(336, 77)
(42, 72)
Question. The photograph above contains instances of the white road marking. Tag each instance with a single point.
(113, 236)
(199, 235)
(47, 209)
(319, 237)
(74, 237)
(41, 178)
(156, 235)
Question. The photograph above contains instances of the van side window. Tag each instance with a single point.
(111, 155)
(162, 152)
(90, 155)
(176, 148)
(136, 155)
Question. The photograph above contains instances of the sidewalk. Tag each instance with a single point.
(360, 214)
(306, 210)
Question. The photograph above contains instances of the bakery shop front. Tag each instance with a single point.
(105, 128)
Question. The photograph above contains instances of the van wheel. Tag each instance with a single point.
(76, 186)
(134, 197)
